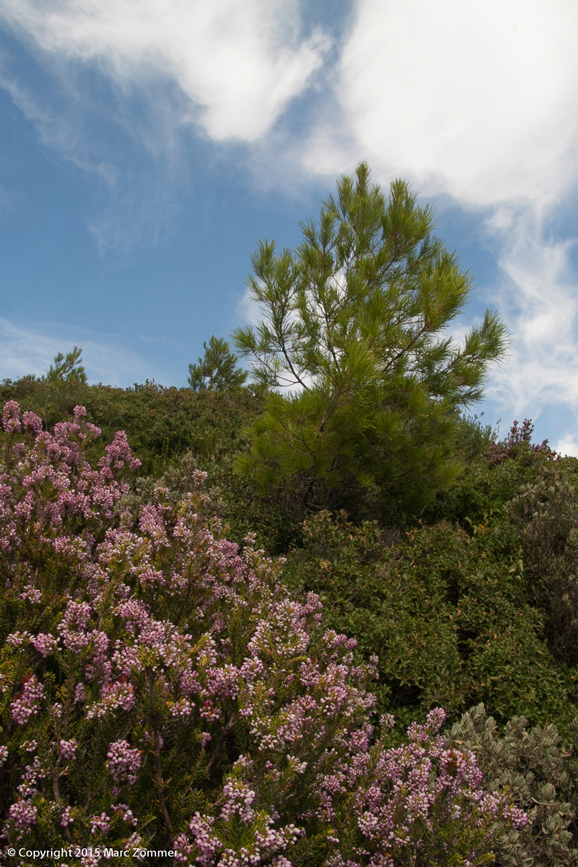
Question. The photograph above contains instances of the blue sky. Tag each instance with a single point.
(146, 145)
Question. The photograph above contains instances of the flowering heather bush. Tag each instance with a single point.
(519, 441)
(160, 689)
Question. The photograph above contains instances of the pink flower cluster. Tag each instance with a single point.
(27, 704)
(11, 417)
(32, 594)
(65, 819)
(45, 644)
(167, 659)
(68, 749)
(50, 482)
(123, 762)
(408, 791)
(100, 823)
(23, 814)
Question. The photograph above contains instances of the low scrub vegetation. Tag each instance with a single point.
(164, 687)
(162, 691)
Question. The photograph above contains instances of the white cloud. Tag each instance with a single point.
(249, 311)
(26, 349)
(238, 64)
(567, 446)
(539, 300)
(473, 99)
(476, 100)
(500, 219)
(223, 70)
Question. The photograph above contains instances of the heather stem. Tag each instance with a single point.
(56, 790)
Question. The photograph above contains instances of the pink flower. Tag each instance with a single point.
(123, 761)
(27, 704)
(65, 819)
(100, 823)
(68, 749)
(23, 814)
(45, 644)
(32, 421)
(11, 417)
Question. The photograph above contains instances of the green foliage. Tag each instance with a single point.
(539, 771)
(546, 514)
(217, 370)
(474, 604)
(355, 322)
(67, 368)
(446, 613)
(160, 689)
(473, 438)
(492, 474)
(162, 424)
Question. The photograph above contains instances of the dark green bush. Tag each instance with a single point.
(446, 612)
(492, 473)
(546, 514)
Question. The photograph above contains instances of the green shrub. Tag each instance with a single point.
(162, 424)
(161, 691)
(547, 517)
(446, 612)
(539, 771)
(492, 473)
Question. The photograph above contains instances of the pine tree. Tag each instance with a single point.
(355, 332)
(67, 368)
(217, 370)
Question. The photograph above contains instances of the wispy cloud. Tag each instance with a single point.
(475, 100)
(140, 199)
(239, 65)
(222, 72)
(539, 296)
(56, 130)
(30, 349)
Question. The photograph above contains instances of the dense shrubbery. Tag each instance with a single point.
(173, 431)
(479, 606)
(546, 516)
(446, 612)
(161, 689)
(473, 603)
(162, 424)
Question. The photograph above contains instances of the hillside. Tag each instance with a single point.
(474, 601)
